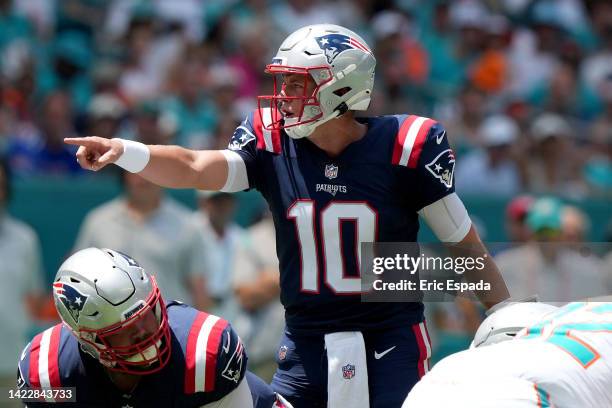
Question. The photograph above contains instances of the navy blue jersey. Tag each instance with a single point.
(324, 207)
(207, 362)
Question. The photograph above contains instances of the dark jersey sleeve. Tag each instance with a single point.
(244, 141)
(435, 167)
(263, 396)
(231, 361)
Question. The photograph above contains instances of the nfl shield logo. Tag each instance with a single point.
(282, 353)
(331, 171)
(348, 371)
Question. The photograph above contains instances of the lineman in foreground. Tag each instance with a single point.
(120, 345)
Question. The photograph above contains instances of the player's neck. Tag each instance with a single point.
(334, 136)
(124, 382)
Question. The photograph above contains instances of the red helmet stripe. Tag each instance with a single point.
(357, 44)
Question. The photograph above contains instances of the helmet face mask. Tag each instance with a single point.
(339, 64)
(115, 310)
(309, 105)
(119, 350)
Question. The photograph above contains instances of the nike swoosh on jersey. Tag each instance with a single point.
(378, 356)
(440, 137)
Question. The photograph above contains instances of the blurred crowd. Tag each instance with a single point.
(524, 88)
(547, 255)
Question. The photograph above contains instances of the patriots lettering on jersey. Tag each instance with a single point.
(443, 167)
(331, 188)
(241, 137)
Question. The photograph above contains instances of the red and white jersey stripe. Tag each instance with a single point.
(201, 353)
(410, 139)
(424, 344)
(44, 359)
(266, 139)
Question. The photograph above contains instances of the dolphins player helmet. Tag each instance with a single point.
(338, 61)
(505, 323)
(100, 295)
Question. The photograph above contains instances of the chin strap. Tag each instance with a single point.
(300, 131)
(360, 101)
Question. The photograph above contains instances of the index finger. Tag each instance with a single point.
(80, 141)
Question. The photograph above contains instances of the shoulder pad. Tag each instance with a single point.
(410, 138)
(266, 139)
(50, 359)
(201, 352)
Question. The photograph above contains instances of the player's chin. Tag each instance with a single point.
(139, 368)
(147, 361)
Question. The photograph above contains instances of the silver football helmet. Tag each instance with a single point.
(505, 323)
(103, 295)
(341, 65)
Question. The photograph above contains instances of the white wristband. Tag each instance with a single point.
(135, 156)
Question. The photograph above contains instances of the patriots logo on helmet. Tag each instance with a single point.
(334, 44)
(71, 298)
(443, 167)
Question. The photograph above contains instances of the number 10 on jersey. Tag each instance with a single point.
(302, 212)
